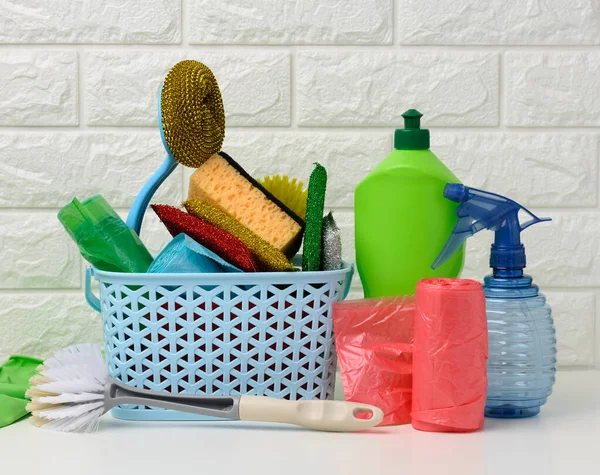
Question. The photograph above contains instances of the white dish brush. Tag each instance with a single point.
(72, 390)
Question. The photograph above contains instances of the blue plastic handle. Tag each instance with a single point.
(136, 213)
(92, 300)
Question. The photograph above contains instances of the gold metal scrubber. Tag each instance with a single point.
(192, 114)
(192, 126)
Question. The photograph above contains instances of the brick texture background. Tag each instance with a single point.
(509, 91)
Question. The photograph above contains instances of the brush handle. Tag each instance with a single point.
(117, 393)
(332, 416)
(136, 213)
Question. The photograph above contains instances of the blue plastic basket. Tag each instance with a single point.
(268, 333)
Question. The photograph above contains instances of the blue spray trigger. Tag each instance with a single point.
(463, 229)
(534, 219)
(484, 210)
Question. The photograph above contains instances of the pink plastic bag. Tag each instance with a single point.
(450, 356)
(374, 343)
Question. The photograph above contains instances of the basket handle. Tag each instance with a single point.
(92, 300)
(348, 282)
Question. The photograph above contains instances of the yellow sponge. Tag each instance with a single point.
(224, 184)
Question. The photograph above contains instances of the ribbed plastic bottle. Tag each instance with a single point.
(522, 347)
(402, 218)
(521, 364)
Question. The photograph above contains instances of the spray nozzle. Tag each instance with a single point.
(484, 210)
(455, 192)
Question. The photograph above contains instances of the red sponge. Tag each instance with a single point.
(220, 242)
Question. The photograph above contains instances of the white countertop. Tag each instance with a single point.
(563, 439)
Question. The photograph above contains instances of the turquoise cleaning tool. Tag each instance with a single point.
(184, 255)
(522, 342)
(191, 121)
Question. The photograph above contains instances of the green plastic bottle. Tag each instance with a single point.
(402, 219)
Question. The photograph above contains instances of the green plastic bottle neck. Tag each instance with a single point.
(412, 136)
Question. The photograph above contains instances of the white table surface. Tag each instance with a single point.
(563, 439)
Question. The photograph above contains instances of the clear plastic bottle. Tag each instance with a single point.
(522, 347)
(521, 338)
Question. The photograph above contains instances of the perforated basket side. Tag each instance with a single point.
(227, 338)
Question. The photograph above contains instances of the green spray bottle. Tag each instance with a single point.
(402, 219)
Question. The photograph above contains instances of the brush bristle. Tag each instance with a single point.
(290, 191)
(67, 394)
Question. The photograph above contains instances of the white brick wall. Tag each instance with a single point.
(511, 92)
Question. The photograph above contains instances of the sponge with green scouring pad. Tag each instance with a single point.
(223, 183)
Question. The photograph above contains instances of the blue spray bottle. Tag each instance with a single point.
(522, 343)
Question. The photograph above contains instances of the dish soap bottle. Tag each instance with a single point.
(522, 343)
(402, 218)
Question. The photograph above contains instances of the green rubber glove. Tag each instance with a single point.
(14, 381)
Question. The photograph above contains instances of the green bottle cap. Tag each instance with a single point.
(412, 136)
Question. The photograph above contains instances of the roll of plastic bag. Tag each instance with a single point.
(374, 344)
(450, 353)
(103, 238)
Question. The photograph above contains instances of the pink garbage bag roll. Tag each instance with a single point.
(450, 353)
(374, 344)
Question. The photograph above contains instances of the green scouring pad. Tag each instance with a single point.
(315, 203)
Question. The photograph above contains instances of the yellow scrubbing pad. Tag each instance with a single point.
(289, 191)
(224, 184)
(267, 257)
